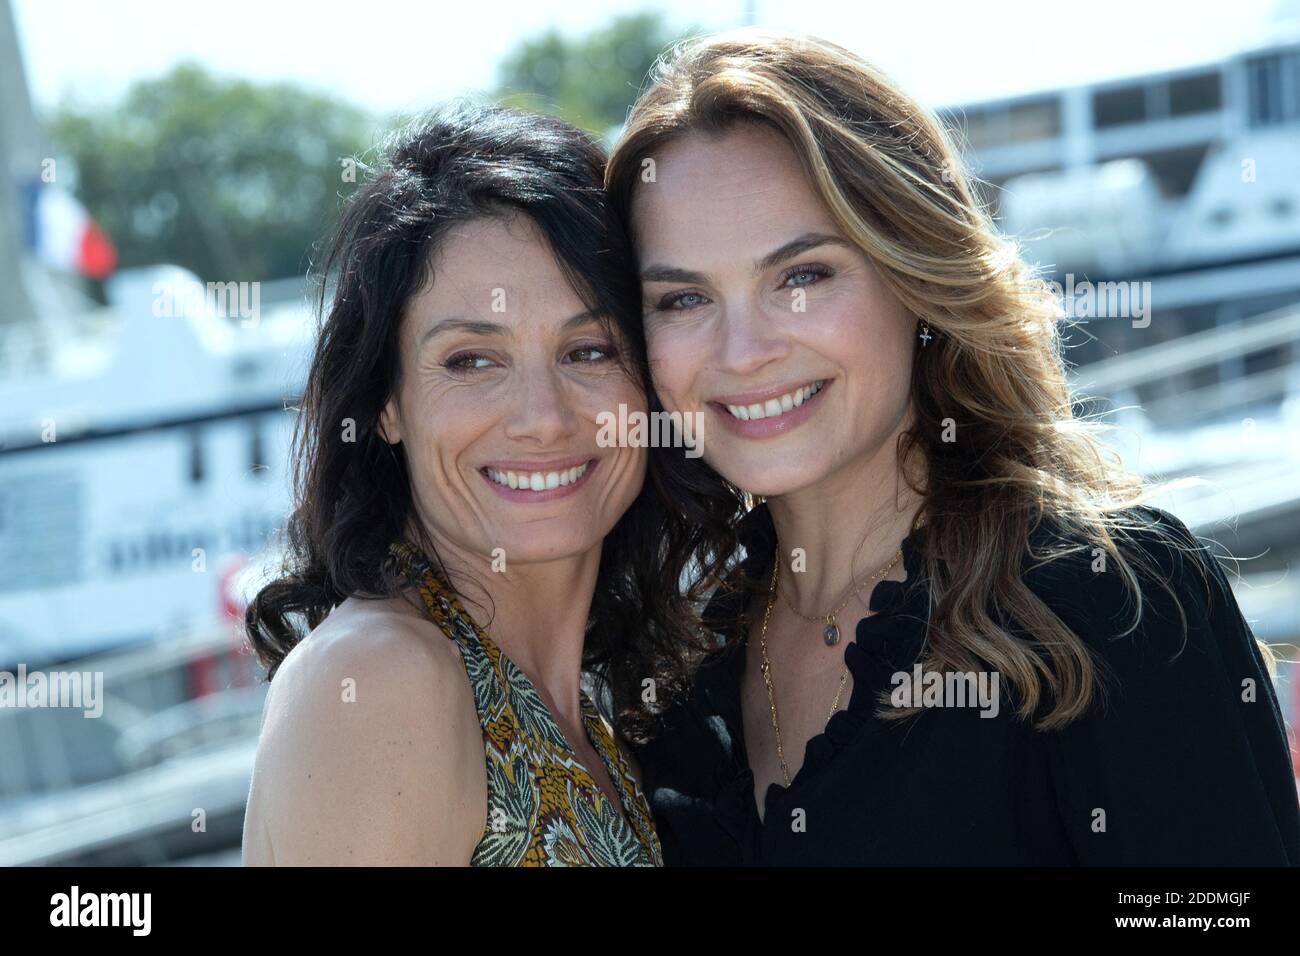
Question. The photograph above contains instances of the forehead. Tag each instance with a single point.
(500, 267)
(741, 189)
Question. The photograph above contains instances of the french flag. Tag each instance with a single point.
(61, 234)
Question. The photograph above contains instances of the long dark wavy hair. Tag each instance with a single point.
(352, 495)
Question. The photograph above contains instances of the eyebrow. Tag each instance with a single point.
(477, 327)
(809, 240)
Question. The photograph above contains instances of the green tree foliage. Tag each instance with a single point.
(239, 181)
(591, 80)
(233, 180)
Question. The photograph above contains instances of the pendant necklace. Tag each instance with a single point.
(831, 632)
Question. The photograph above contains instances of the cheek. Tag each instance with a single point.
(616, 389)
(866, 328)
(676, 357)
(619, 390)
(437, 428)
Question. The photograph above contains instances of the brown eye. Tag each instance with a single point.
(467, 362)
(592, 353)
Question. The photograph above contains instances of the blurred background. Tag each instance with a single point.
(167, 174)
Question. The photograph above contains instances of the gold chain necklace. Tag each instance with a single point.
(766, 664)
(831, 633)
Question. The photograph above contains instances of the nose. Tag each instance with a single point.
(748, 340)
(542, 411)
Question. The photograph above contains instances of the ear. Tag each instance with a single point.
(389, 427)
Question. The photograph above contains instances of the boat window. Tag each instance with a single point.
(196, 457)
(1199, 93)
(1116, 107)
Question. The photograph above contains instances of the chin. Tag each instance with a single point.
(532, 546)
(761, 479)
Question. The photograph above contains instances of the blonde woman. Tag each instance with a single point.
(951, 631)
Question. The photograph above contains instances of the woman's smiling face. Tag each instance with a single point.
(761, 315)
(503, 376)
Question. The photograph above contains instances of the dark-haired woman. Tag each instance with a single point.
(458, 548)
(955, 634)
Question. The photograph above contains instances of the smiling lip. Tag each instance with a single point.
(542, 467)
(768, 427)
(758, 397)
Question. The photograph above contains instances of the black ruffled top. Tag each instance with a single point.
(1174, 770)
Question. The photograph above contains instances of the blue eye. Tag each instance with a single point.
(814, 272)
(677, 301)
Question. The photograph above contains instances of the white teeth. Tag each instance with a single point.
(536, 480)
(776, 406)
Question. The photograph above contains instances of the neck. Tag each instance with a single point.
(536, 613)
(849, 526)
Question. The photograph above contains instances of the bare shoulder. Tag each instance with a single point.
(371, 750)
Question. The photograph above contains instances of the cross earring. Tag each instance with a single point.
(925, 334)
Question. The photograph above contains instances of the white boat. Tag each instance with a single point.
(143, 446)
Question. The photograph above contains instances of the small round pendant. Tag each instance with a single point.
(831, 634)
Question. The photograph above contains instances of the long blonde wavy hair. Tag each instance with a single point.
(885, 169)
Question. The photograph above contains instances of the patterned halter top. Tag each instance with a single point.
(544, 808)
